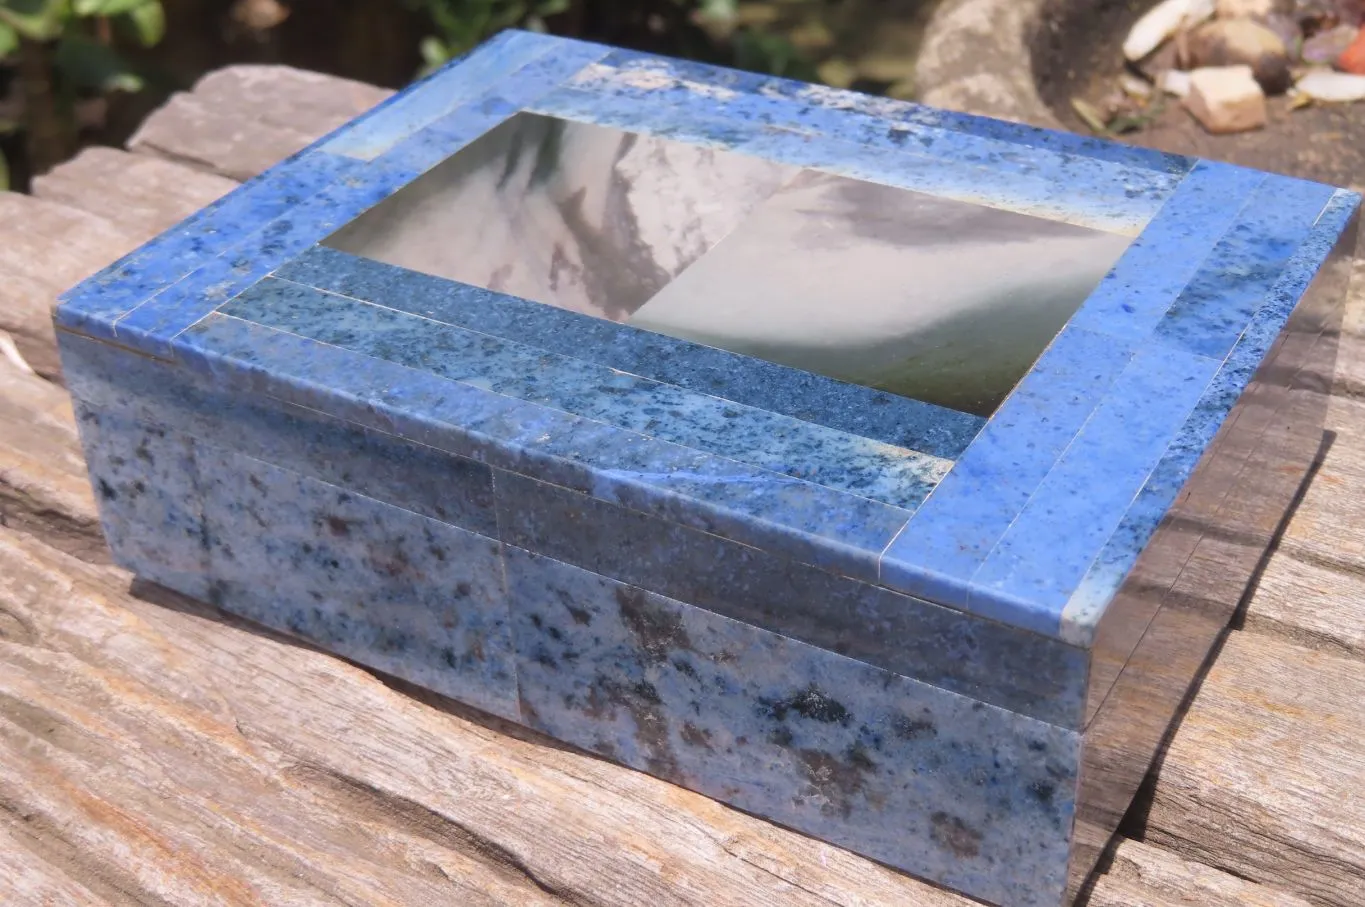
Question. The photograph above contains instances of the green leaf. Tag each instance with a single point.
(434, 52)
(149, 23)
(4, 172)
(89, 64)
(110, 7)
(9, 40)
(36, 20)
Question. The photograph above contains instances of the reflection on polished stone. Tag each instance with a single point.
(930, 298)
(582, 217)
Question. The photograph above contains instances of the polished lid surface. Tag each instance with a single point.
(931, 298)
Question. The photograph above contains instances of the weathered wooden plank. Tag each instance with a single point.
(160, 753)
(44, 488)
(1265, 777)
(27, 879)
(143, 195)
(240, 120)
(46, 247)
(183, 755)
(1141, 875)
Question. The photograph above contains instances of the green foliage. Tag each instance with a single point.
(69, 52)
(461, 24)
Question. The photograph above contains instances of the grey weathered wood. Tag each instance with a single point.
(144, 195)
(1266, 776)
(48, 247)
(278, 775)
(157, 752)
(240, 120)
(1145, 876)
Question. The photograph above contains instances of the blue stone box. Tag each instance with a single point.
(885, 472)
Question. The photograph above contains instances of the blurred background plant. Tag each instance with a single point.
(66, 52)
(75, 72)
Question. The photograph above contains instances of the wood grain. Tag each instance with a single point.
(157, 752)
(1266, 776)
(240, 120)
(46, 248)
(143, 195)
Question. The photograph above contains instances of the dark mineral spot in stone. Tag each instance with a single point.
(781, 737)
(338, 527)
(656, 629)
(462, 590)
(107, 491)
(580, 616)
(837, 780)
(1043, 791)
(953, 834)
(695, 736)
(686, 669)
(810, 703)
(914, 728)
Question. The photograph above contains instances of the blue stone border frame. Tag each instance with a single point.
(1037, 517)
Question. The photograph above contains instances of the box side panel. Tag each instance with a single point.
(1176, 602)
(968, 795)
(1011, 668)
(271, 513)
(991, 662)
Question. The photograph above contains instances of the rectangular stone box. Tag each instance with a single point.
(886, 472)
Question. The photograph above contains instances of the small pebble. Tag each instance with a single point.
(1175, 82)
(1226, 99)
(1326, 46)
(1234, 42)
(1332, 87)
(1163, 21)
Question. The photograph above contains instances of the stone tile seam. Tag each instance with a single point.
(195, 443)
(1157, 178)
(966, 585)
(740, 516)
(1258, 438)
(1027, 205)
(318, 147)
(152, 299)
(975, 590)
(946, 464)
(940, 463)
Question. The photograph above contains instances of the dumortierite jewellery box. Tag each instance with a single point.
(885, 472)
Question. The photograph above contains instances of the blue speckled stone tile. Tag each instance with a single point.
(386, 587)
(1159, 264)
(95, 303)
(850, 408)
(446, 90)
(426, 147)
(892, 166)
(154, 327)
(957, 527)
(1053, 541)
(763, 439)
(685, 90)
(1021, 671)
(425, 480)
(1087, 604)
(146, 483)
(1212, 311)
(904, 113)
(808, 522)
(928, 781)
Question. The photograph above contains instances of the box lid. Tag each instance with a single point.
(1030, 511)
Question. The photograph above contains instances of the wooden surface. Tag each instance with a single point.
(154, 751)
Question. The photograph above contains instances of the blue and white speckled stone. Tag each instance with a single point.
(932, 637)
(976, 797)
